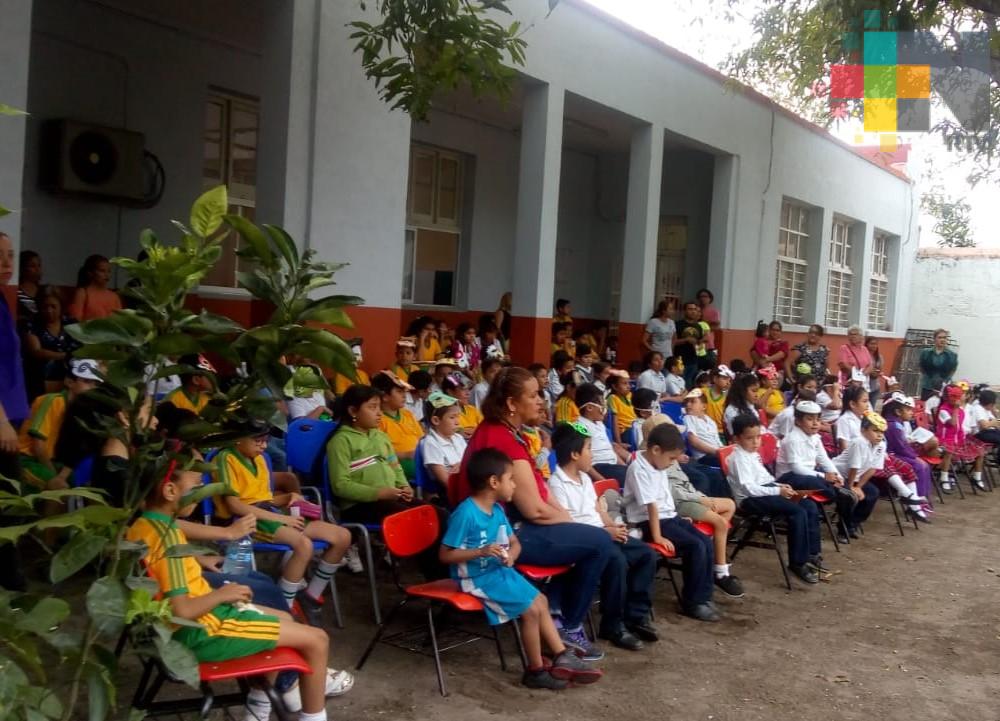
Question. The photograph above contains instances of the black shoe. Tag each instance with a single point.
(702, 612)
(816, 562)
(916, 516)
(543, 679)
(842, 538)
(731, 586)
(311, 609)
(853, 533)
(644, 630)
(623, 639)
(805, 573)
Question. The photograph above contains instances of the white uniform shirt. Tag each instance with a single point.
(862, 455)
(577, 496)
(829, 415)
(441, 451)
(974, 414)
(783, 423)
(848, 427)
(600, 446)
(705, 429)
(802, 454)
(747, 476)
(555, 387)
(654, 380)
(478, 393)
(675, 385)
(644, 485)
(302, 407)
(415, 406)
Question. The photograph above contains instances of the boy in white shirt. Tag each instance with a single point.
(488, 368)
(650, 506)
(444, 445)
(703, 433)
(858, 464)
(757, 493)
(675, 379)
(627, 581)
(982, 416)
(609, 459)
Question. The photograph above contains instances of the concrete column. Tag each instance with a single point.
(721, 244)
(15, 51)
(537, 222)
(818, 256)
(642, 224)
(861, 261)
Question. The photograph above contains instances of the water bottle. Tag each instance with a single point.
(239, 557)
(503, 541)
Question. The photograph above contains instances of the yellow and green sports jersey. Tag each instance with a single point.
(404, 430)
(248, 477)
(566, 410)
(182, 399)
(44, 423)
(623, 410)
(341, 383)
(470, 418)
(174, 576)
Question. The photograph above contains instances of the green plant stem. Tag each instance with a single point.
(90, 636)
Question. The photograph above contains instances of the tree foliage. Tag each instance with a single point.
(951, 219)
(797, 42)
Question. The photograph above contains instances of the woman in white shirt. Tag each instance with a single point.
(660, 330)
(653, 377)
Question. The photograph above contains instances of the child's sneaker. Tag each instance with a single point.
(337, 684)
(258, 707)
(353, 560)
(541, 678)
(568, 666)
(579, 644)
(730, 585)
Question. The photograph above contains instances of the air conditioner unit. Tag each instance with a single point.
(92, 161)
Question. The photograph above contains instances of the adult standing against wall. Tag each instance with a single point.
(854, 355)
(710, 314)
(812, 353)
(502, 319)
(937, 365)
(92, 298)
(689, 336)
(13, 408)
(658, 336)
(547, 532)
(29, 279)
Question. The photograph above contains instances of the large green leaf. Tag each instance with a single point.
(98, 702)
(329, 311)
(10, 534)
(209, 210)
(4, 211)
(255, 238)
(205, 491)
(83, 548)
(207, 322)
(44, 615)
(174, 344)
(109, 330)
(179, 660)
(286, 246)
(107, 602)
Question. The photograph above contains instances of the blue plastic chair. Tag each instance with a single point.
(82, 474)
(609, 425)
(421, 478)
(628, 438)
(674, 410)
(305, 440)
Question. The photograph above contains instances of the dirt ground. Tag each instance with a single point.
(907, 629)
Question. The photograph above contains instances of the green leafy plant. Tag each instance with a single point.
(47, 656)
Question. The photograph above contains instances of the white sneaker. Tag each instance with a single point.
(256, 710)
(979, 484)
(353, 560)
(337, 684)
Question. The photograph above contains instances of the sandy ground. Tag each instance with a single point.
(907, 629)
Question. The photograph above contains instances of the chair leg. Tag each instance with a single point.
(335, 600)
(496, 638)
(140, 690)
(434, 646)
(777, 550)
(590, 624)
(514, 624)
(958, 486)
(380, 631)
(369, 566)
(208, 700)
(277, 703)
(829, 526)
(673, 582)
(937, 485)
(752, 523)
(895, 513)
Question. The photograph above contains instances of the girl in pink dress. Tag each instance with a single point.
(949, 427)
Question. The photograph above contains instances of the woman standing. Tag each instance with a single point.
(937, 365)
(547, 532)
(48, 343)
(812, 352)
(92, 298)
(29, 276)
(658, 336)
(709, 314)
(875, 370)
(853, 354)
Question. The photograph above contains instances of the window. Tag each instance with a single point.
(841, 279)
(433, 218)
(793, 242)
(878, 292)
(230, 158)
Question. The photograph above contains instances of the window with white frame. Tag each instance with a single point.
(878, 291)
(841, 278)
(229, 158)
(793, 245)
(433, 234)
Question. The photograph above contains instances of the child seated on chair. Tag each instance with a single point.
(489, 369)
(646, 404)
(396, 421)
(406, 352)
(756, 492)
(653, 377)
(609, 459)
(420, 382)
(703, 434)
(719, 381)
(620, 403)
(949, 427)
(229, 626)
(444, 445)
(626, 585)
(650, 505)
(566, 410)
(196, 384)
(770, 398)
(457, 386)
(244, 470)
(481, 547)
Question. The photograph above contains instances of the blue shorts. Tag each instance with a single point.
(505, 593)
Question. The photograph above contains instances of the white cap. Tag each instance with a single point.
(858, 376)
(723, 370)
(810, 408)
(85, 369)
(902, 399)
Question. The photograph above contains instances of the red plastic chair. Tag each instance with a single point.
(768, 450)
(670, 561)
(406, 534)
(608, 484)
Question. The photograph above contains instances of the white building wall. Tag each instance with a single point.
(959, 290)
(16, 16)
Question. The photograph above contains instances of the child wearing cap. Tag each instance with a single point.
(396, 421)
(406, 351)
(444, 444)
(243, 469)
(196, 384)
(457, 386)
(442, 368)
(715, 395)
(38, 435)
(341, 382)
(805, 390)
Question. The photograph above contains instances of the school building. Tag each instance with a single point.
(619, 172)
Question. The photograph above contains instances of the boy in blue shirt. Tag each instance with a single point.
(481, 548)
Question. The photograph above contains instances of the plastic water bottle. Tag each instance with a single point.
(503, 541)
(239, 557)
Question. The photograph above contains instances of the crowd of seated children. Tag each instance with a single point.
(609, 458)
(457, 386)
(756, 491)
(649, 505)
(444, 444)
(395, 421)
(981, 420)
(443, 368)
(480, 547)
(626, 584)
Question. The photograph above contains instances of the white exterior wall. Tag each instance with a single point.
(16, 16)
(959, 290)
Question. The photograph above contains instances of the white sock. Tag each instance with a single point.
(320, 579)
(258, 705)
(721, 570)
(318, 716)
(944, 476)
(903, 490)
(288, 590)
(977, 475)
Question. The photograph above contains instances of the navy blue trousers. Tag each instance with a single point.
(627, 585)
(802, 519)
(697, 558)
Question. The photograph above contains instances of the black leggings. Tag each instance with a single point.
(375, 511)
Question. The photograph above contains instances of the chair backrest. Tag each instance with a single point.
(409, 532)
(764, 421)
(305, 441)
(609, 425)
(628, 438)
(421, 479)
(768, 448)
(83, 472)
(553, 462)
(673, 410)
(608, 484)
(724, 454)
